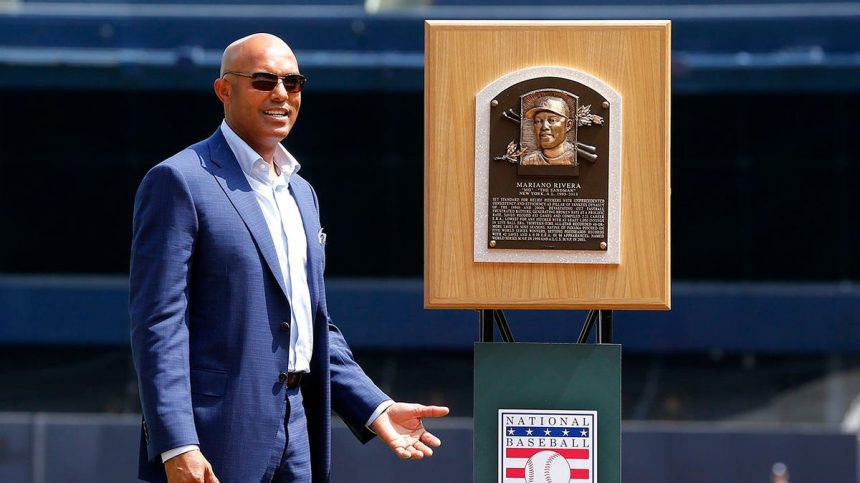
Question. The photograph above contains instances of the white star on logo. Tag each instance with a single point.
(511, 432)
(547, 432)
(529, 431)
(584, 432)
(565, 432)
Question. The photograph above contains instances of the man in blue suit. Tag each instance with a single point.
(238, 361)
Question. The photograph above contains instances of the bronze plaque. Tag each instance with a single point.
(548, 186)
(549, 159)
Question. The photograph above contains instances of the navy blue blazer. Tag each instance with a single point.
(207, 301)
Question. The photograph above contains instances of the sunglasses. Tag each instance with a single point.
(265, 81)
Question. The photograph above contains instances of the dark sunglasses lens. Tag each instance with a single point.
(264, 82)
(294, 82)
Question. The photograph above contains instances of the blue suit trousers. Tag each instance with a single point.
(294, 465)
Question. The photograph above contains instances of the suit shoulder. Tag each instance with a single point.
(189, 159)
(297, 178)
(186, 164)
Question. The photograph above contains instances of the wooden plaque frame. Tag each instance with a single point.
(461, 58)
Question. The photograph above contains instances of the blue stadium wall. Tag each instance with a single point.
(766, 100)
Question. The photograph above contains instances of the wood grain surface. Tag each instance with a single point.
(461, 58)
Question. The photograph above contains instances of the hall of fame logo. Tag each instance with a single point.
(547, 446)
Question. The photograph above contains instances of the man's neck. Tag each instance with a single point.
(267, 152)
(269, 157)
(274, 170)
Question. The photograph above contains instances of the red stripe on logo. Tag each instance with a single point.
(515, 472)
(579, 474)
(571, 454)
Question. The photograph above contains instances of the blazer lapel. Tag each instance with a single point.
(301, 192)
(232, 180)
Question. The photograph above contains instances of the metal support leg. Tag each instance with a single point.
(487, 318)
(604, 327)
(485, 322)
(603, 318)
(504, 329)
(586, 327)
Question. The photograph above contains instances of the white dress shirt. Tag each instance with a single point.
(288, 234)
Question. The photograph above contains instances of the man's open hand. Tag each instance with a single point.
(401, 429)
(190, 467)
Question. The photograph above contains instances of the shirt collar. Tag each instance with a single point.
(252, 164)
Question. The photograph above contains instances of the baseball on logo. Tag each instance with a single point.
(547, 467)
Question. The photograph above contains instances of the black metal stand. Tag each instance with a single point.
(604, 326)
(486, 318)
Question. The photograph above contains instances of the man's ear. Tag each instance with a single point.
(222, 90)
(569, 124)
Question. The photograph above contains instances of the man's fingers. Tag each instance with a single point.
(210, 475)
(401, 453)
(188, 467)
(431, 411)
(400, 426)
(426, 451)
(415, 453)
(431, 440)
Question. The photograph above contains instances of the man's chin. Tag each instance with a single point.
(280, 133)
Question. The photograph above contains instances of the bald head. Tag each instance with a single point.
(249, 50)
(260, 114)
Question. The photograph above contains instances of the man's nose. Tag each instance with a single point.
(280, 91)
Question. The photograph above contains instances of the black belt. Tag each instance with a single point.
(294, 379)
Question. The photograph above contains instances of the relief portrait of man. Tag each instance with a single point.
(552, 122)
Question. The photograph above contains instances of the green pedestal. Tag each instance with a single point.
(551, 395)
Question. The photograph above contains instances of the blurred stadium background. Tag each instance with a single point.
(757, 364)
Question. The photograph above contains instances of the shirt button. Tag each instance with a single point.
(282, 377)
(285, 326)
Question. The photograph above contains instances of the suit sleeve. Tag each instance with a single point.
(354, 396)
(165, 227)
